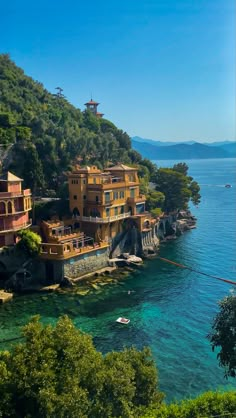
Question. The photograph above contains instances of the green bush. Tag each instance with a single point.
(29, 242)
(207, 405)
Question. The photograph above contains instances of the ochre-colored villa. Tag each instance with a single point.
(101, 200)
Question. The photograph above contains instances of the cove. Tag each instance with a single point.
(170, 309)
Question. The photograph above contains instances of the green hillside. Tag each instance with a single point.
(45, 135)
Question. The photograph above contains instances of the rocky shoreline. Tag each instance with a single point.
(176, 227)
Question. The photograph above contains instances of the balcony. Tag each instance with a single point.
(11, 194)
(94, 202)
(137, 199)
(26, 192)
(18, 211)
(24, 225)
(106, 219)
(107, 185)
(65, 251)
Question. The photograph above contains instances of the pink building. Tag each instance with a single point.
(15, 205)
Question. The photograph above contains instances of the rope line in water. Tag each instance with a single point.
(196, 271)
(7, 340)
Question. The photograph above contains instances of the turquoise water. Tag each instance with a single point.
(170, 309)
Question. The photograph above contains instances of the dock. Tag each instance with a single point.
(5, 296)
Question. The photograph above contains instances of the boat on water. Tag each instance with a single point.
(123, 320)
(228, 186)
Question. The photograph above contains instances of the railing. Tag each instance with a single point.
(17, 227)
(15, 212)
(94, 202)
(106, 185)
(106, 219)
(67, 250)
(25, 192)
(140, 198)
(11, 194)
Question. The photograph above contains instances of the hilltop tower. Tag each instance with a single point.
(92, 106)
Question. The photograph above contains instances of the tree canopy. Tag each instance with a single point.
(223, 335)
(29, 242)
(57, 372)
(177, 187)
(49, 135)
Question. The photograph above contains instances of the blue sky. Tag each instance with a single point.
(161, 69)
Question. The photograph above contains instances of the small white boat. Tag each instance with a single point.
(123, 320)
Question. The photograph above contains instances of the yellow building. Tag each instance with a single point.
(62, 243)
(101, 200)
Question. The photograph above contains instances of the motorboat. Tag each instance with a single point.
(228, 186)
(123, 320)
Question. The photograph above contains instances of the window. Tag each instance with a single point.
(107, 212)
(131, 178)
(94, 180)
(97, 199)
(122, 195)
(132, 192)
(116, 211)
(115, 195)
(75, 197)
(84, 181)
(84, 197)
(107, 197)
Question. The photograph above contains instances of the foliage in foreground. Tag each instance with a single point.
(29, 242)
(57, 372)
(224, 335)
(208, 405)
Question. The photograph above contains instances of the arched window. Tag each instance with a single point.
(9, 207)
(76, 212)
(2, 208)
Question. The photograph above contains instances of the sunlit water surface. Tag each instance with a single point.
(170, 309)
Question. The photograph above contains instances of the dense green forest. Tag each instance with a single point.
(42, 136)
(50, 135)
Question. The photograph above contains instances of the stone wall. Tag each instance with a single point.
(10, 260)
(77, 266)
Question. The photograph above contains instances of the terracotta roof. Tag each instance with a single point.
(120, 167)
(91, 102)
(8, 176)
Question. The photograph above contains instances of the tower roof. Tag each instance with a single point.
(92, 102)
(8, 176)
(120, 167)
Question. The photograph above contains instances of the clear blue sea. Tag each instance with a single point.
(170, 309)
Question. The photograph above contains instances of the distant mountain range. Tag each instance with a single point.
(158, 150)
